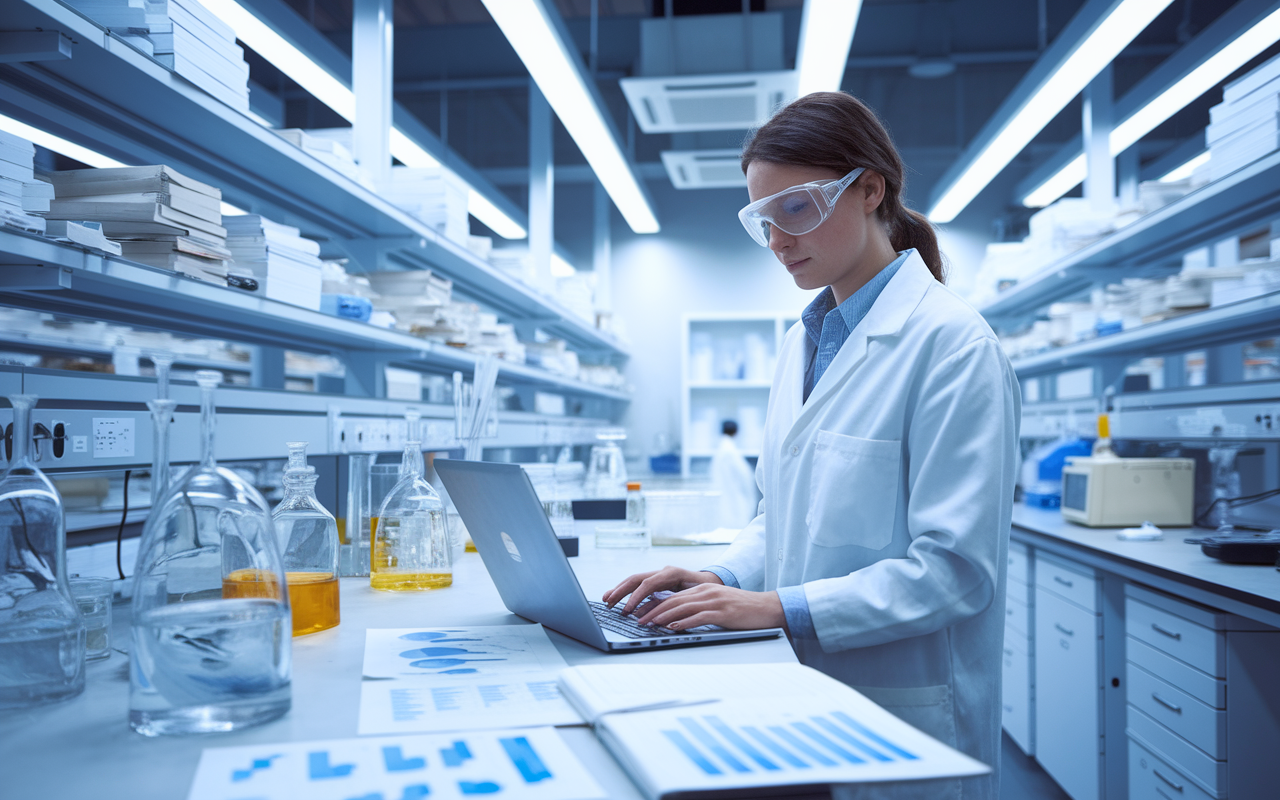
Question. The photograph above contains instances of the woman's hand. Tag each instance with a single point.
(716, 604)
(643, 584)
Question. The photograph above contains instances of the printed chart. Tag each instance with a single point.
(482, 651)
(532, 763)
(406, 706)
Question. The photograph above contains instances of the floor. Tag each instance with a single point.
(1021, 778)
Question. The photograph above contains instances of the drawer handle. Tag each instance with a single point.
(1160, 792)
(1175, 708)
(1177, 787)
(1064, 630)
(1177, 637)
(1063, 581)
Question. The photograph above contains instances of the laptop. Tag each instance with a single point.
(532, 573)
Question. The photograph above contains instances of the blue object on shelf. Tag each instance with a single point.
(666, 464)
(1109, 328)
(1038, 500)
(347, 306)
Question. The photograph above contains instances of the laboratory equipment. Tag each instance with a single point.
(210, 648)
(797, 210)
(93, 598)
(1119, 492)
(308, 538)
(357, 532)
(1041, 477)
(620, 536)
(635, 505)
(41, 630)
(411, 546)
(161, 418)
(607, 470)
(382, 479)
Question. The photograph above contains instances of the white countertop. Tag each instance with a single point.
(1170, 564)
(84, 747)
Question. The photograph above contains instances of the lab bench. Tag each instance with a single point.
(1139, 669)
(83, 747)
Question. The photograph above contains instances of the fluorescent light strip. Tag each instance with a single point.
(534, 38)
(1058, 184)
(826, 34)
(335, 94)
(1183, 172)
(57, 144)
(1098, 49)
(1193, 85)
(561, 268)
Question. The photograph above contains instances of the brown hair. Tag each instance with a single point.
(836, 131)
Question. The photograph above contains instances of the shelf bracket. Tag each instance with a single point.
(18, 46)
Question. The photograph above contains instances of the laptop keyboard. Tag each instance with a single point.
(612, 619)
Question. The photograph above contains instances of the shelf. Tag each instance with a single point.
(43, 275)
(730, 384)
(1258, 316)
(1155, 240)
(125, 104)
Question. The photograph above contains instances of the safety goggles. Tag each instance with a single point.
(797, 210)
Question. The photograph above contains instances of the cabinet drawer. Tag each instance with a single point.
(1016, 689)
(1150, 778)
(1078, 584)
(1207, 773)
(1017, 617)
(1019, 563)
(1018, 591)
(1204, 687)
(1068, 694)
(1204, 727)
(1201, 647)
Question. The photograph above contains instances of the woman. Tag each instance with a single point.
(889, 452)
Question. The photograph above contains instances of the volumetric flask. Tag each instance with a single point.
(308, 537)
(411, 546)
(358, 530)
(41, 631)
(211, 643)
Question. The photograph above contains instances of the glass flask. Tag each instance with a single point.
(308, 537)
(162, 409)
(607, 471)
(411, 546)
(42, 634)
(358, 530)
(206, 658)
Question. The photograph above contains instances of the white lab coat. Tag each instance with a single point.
(731, 476)
(888, 496)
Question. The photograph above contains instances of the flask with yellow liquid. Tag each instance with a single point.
(411, 546)
(308, 539)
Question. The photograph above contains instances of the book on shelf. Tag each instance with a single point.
(17, 172)
(193, 246)
(125, 180)
(130, 221)
(179, 199)
(704, 731)
(191, 266)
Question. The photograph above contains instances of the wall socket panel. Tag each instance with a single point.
(1259, 421)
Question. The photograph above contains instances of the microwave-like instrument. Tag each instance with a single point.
(1118, 492)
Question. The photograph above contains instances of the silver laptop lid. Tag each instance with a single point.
(519, 547)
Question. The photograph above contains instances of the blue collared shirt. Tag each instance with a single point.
(828, 327)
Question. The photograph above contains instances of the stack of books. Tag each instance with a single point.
(332, 150)
(20, 192)
(202, 48)
(160, 217)
(129, 19)
(434, 195)
(286, 266)
(1245, 126)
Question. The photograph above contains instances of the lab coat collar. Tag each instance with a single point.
(887, 317)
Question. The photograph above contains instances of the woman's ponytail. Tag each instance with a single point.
(836, 131)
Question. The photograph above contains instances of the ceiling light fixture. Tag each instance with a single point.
(826, 33)
(558, 72)
(57, 144)
(1095, 51)
(334, 93)
(1212, 71)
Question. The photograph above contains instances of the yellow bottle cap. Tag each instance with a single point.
(1104, 427)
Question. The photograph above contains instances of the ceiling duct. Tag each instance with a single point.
(709, 72)
(704, 169)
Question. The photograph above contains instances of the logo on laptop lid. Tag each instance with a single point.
(511, 547)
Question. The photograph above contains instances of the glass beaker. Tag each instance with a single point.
(308, 537)
(41, 630)
(205, 657)
(382, 479)
(93, 596)
(607, 472)
(358, 530)
(411, 546)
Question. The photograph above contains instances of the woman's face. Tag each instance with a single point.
(838, 253)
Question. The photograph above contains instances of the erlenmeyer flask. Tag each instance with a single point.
(308, 538)
(411, 547)
(41, 630)
(204, 659)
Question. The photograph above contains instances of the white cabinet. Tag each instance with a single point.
(1068, 677)
(1018, 695)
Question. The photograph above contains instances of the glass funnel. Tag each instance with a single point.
(308, 537)
(211, 645)
(42, 634)
(411, 546)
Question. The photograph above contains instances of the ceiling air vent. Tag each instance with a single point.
(678, 104)
(704, 169)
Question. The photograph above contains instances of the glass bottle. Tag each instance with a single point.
(359, 523)
(308, 537)
(42, 634)
(207, 655)
(411, 547)
(635, 505)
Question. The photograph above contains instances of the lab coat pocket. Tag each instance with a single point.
(853, 491)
